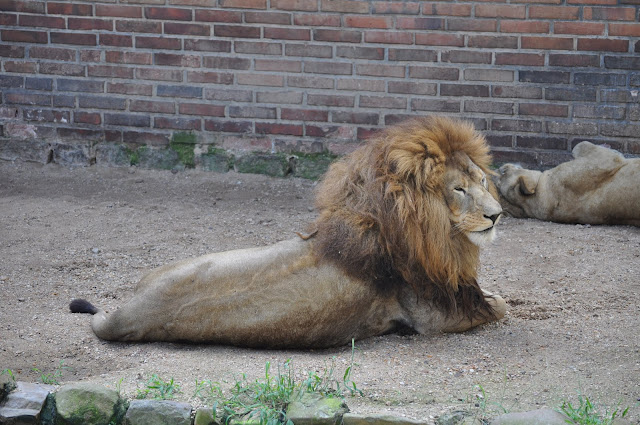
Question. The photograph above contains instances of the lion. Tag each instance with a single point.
(395, 248)
(599, 186)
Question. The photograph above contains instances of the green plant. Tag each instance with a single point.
(183, 144)
(586, 413)
(9, 373)
(52, 378)
(158, 389)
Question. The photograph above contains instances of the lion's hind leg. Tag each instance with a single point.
(498, 306)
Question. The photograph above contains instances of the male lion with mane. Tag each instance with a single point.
(395, 249)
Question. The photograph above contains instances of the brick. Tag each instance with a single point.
(360, 84)
(101, 102)
(62, 69)
(493, 42)
(145, 138)
(330, 100)
(488, 75)
(224, 62)
(127, 88)
(22, 67)
(415, 88)
(489, 107)
(380, 70)
(355, 52)
(258, 47)
(90, 56)
(527, 26)
(110, 71)
(218, 16)
(329, 131)
(355, 117)
(396, 8)
(22, 98)
(252, 112)
(22, 6)
(53, 53)
(138, 58)
(462, 24)
(304, 115)
(572, 128)
(338, 36)
(282, 129)
(547, 43)
(526, 59)
(8, 112)
(90, 24)
(574, 60)
(177, 123)
(548, 77)
(275, 18)
(386, 102)
(168, 13)
(622, 62)
(344, 6)
(466, 56)
(580, 28)
(201, 109)
(435, 105)
(236, 31)
(388, 37)
(334, 68)
(543, 109)
(24, 36)
(610, 13)
(228, 126)
(115, 40)
(139, 26)
(446, 9)
(209, 77)
(91, 118)
(38, 83)
(304, 50)
(41, 21)
(525, 126)
(297, 5)
(281, 97)
(440, 39)
(8, 51)
(618, 130)
(152, 106)
(473, 90)
(187, 29)
(278, 65)
(624, 30)
(314, 20)
(554, 12)
(537, 142)
(260, 80)
(379, 22)
(571, 94)
(118, 11)
(433, 73)
(501, 11)
(607, 45)
(179, 91)
(418, 55)
(159, 74)
(84, 86)
(310, 82)
(244, 4)
(170, 59)
(64, 101)
(127, 120)
(83, 39)
(208, 45)
(419, 23)
(599, 112)
(228, 95)
(523, 92)
(599, 79)
(618, 96)
(8, 19)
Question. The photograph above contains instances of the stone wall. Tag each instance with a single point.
(538, 76)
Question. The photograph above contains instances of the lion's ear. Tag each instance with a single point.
(527, 185)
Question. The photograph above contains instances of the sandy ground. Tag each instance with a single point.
(573, 291)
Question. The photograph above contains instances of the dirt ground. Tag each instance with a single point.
(573, 292)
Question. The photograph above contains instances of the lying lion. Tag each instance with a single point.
(395, 248)
(600, 186)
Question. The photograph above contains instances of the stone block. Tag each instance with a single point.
(24, 405)
(158, 412)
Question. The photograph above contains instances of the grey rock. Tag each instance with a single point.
(24, 404)
(452, 418)
(220, 162)
(25, 150)
(354, 419)
(275, 165)
(85, 403)
(158, 412)
(204, 416)
(312, 166)
(71, 154)
(314, 409)
(164, 159)
(112, 155)
(534, 417)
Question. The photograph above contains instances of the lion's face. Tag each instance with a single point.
(473, 210)
(516, 187)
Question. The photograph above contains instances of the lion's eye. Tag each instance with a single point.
(460, 190)
(484, 181)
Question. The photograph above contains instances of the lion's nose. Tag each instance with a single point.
(493, 218)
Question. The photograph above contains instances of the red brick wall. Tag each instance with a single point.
(308, 75)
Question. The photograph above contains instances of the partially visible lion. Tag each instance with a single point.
(395, 248)
(599, 186)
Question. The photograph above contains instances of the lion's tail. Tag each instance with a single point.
(82, 306)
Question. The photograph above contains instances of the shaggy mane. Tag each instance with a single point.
(383, 218)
